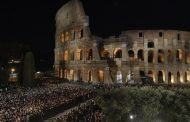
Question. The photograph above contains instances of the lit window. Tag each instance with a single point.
(66, 36)
(80, 34)
(62, 38)
(66, 56)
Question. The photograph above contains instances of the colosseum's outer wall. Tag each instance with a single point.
(160, 55)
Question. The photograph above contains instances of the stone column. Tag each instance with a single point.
(94, 76)
(146, 56)
(166, 76)
(165, 57)
(107, 78)
(124, 53)
(155, 60)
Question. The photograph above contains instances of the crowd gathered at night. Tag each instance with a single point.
(19, 103)
(87, 112)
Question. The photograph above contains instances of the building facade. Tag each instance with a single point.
(161, 55)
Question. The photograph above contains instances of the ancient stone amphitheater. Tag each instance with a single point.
(160, 55)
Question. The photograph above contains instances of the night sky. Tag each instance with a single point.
(33, 22)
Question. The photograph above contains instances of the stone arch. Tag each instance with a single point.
(179, 56)
(119, 77)
(151, 75)
(142, 73)
(187, 57)
(160, 56)
(89, 54)
(71, 74)
(67, 36)
(118, 53)
(66, 55)
(140, 55)
(79, 54)
(101, 76)
(131, 55)
(170, 56)
(65, 73)
(170, 77)
(150, 56)
(61, 73)
(79, 77)
(62, 38)
(187, 76)
(160, 77)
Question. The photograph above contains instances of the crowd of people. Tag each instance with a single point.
(87, 112)
(108, 87)
(19, 103)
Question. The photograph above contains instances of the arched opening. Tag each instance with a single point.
(150, 56)
(187, 76)
(160, 77)
(179, 55)
(65, 74)
(119, 77)
(187, 57)
(66, 55)
(89, 56)
(67, 36)
(170, 56)
(150, 44)
(72, 56)
(61, 73)
(142, 77)
(79, 75)
(178, 77)
(118, 53)
(131, 55)
(79, 54)
(101, 76)
(169, 77)
(160, 56)
(80, 34)
(62, 38)
(71, 75)
(151, 75)
(89, 76)
(141, 55)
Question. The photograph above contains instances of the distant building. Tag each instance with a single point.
(161, 55)
(11, 57)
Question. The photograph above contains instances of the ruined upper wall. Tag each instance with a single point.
(69, 15)
(138, 35)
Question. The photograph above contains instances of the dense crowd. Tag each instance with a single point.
(19, 103)
(87, 112)
(122, 85)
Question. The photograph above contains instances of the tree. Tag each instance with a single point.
(28, 70)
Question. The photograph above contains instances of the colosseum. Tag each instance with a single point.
(161, 55)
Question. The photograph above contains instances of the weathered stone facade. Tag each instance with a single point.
(162, 55)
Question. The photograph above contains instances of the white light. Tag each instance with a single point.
(38, 72)
(131, 117)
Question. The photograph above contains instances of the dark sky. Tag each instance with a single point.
(32, 22)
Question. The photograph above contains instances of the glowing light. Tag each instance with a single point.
(13, 70)
(131, 117)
